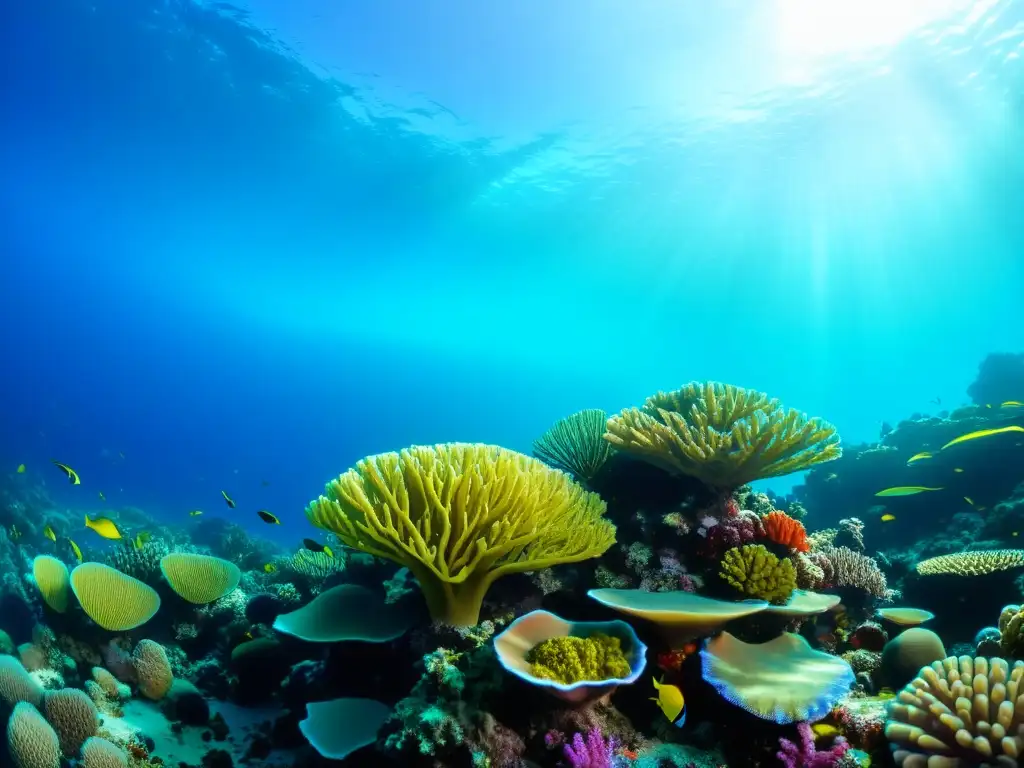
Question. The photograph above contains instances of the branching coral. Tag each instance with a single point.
(757, 573)
(805, 754)
(780, 528)
(1011, 630)
(852, 569)
(576, 444)
(460, 516)
(960, 711)
(723, 435)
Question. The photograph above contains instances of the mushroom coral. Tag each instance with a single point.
(723, 435)
(459, 516)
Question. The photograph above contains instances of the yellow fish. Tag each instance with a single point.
(227, 499)
(824, 730)
(141, 539)
(958, 470)
(267, 517)
(905, 490)
(887, 693)
(671, 702)
(21, 469)
(269, 568)
(1012, 404)
(76, 550)
(73, 476)
(104, 527)
(101, 495)
(982, 433)
(888, 517)
(49, 533)
(918, 457)
(195, 513)
(970, 501)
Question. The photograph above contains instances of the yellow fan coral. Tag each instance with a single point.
(960, 711)
(974, 563)
(113, 600)
(200, 579)
(459, 516)
(576, 444)
(724, 436)
(758, 573)
(52, 579)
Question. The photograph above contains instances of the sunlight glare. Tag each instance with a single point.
(815, 28)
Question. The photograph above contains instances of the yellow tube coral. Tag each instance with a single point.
(723, 435)
(459, 516)
(757, 573)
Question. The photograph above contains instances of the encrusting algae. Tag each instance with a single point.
(570, 660)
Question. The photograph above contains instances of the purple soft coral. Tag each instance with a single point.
(595, 752)
(805, 755)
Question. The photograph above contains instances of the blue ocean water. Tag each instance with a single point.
(244, 246)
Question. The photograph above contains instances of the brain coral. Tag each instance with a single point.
(51, 577)
(73, 716)
(31, 741)
(152, 669)
(113, 600)
(460, 516)
(200, 579)
(960, 712)
(100, 753)
(16, 684)
(757, 573)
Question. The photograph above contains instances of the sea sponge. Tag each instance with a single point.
(576, 444)
(905, 654)
(958, 712)
(16, 684)
(200, 579)
(31, 742)
(100, 753)
(783, 680)
(459, 516)
(572, 659)
(544, 650)
(113, 600)
(52, 579)
(723, 435)
(757, 573)
(974, 563)
(152, 669)
(346, 612)
(339, 727)
(73, 716)
(782, 529)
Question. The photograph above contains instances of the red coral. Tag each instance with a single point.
(783, 529)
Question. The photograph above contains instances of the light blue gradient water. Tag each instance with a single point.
(246, 248)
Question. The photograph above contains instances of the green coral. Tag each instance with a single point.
(723, 435)
(573, 659)
(757, 573)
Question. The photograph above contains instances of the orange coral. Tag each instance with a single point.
(783, 529)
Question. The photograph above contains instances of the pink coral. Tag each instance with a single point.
(805, 755)
(595, 752)
(744, 528)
